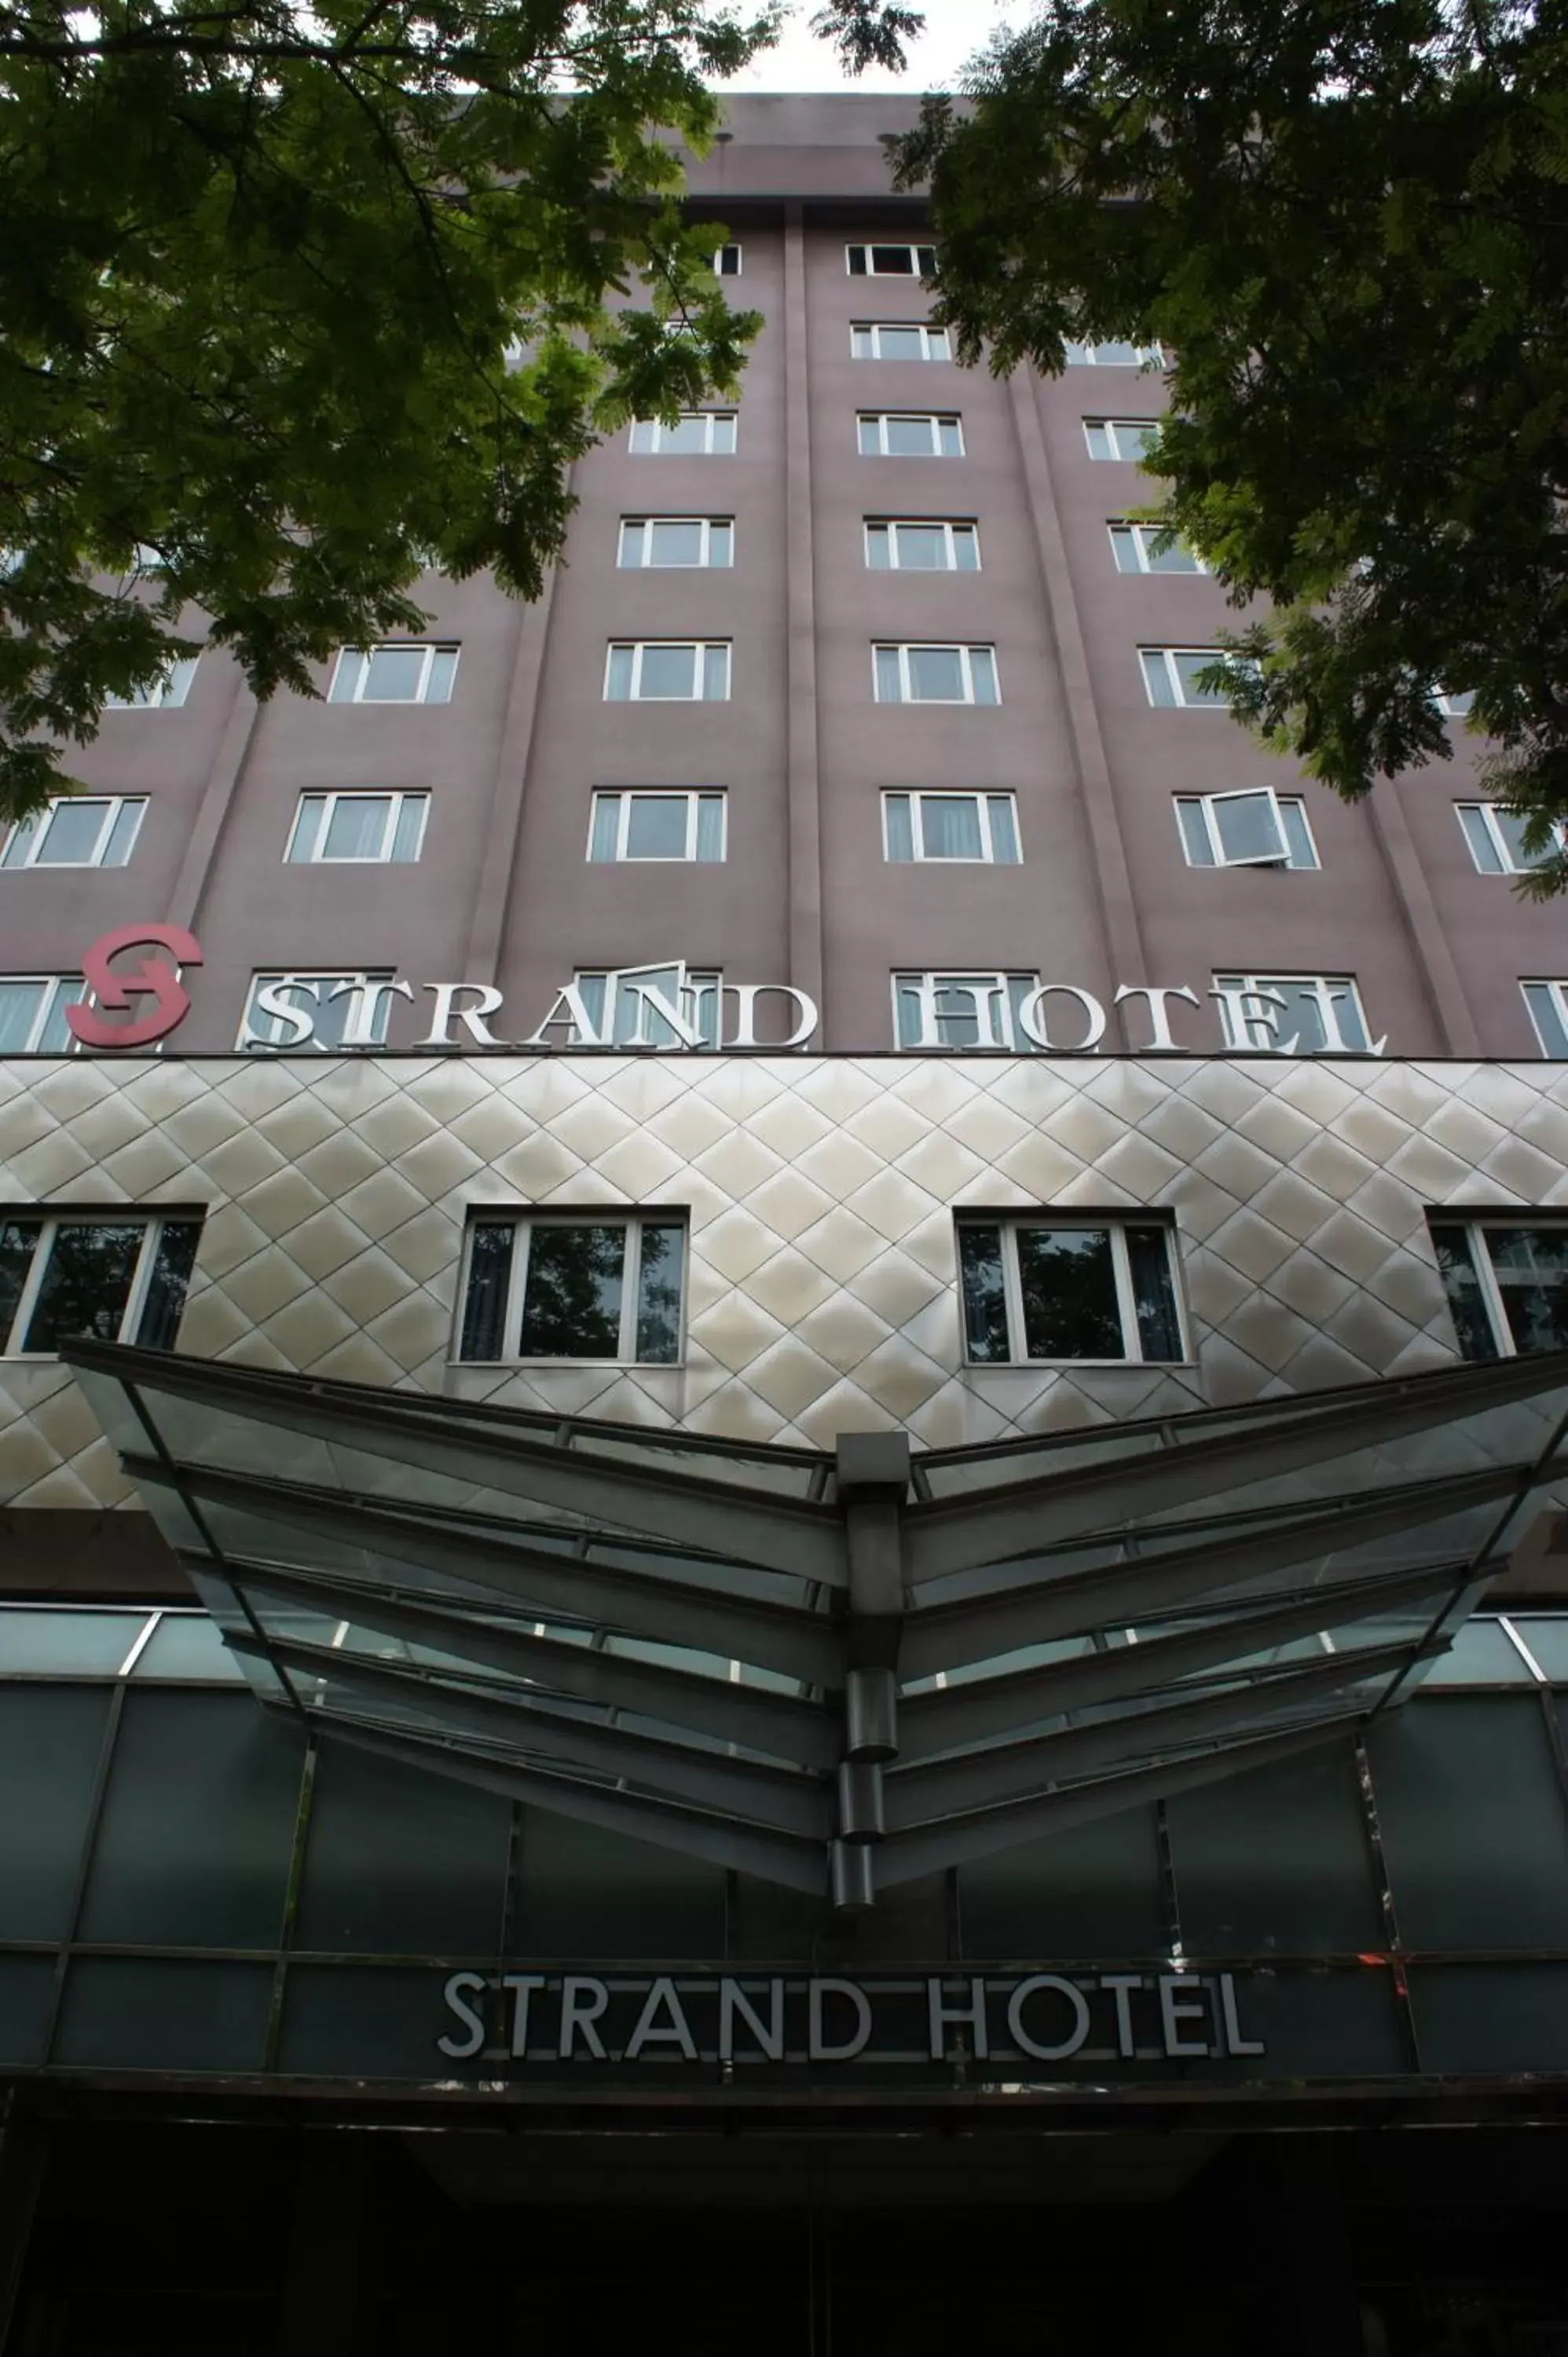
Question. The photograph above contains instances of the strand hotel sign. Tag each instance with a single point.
(136, 996)
(596, 2016)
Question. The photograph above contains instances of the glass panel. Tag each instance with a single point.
(1067, 1282)
(87, 1282)
(709, 826)
(966, 1010)
(982, 671)
(1248, 827)
(657, 826)
(949, 827)
(645, 435)
(1246, 1892)
(1099, 438)
(632, 536)
(721, 537)
(984, 1295)
(60, 1643)
(922, 548)
(172, 1263)
(1156, 678)
(1458, 707)
(1153, 1292)
(1298, 835)
(1300, 1018)
(966, 547)
(56, 1038)
(1171, 558)
(1512, 830)
(901, 343)
(1482, 1653)
(584, 1892)
(936, 675)
(856, 261)
(659, 1295)
(900, 836)
(306, 827)
(346, 678)
(443, 671)
(687, 439)
(71, 838)
(1004, 830)
(606, 827)
(892, 261)
(571, 1294)
(889, 676)
(926, 258)
(675, 544)
(19, 840)
(401, 1862)
(868, 432)
(1531, 1268)
(1547, 1638)
(1088, 1891)
(122, 833)
(1125, 548)
(18, 1238)
(393, 675)
(357, 828)
(1478, 836)
(410, 832)
(908, 438)
(1136, 441)
(1194, 827)
(50, 1738)
(19, 1006)
(1116, 355)
(876, 550)
(1461, 1283)
(187, 1645)
(490, 1274)
(715, 674)
(617, 678)
(1472, 1821)
(723, 431)
(1546, 1014)
(1189, 668)
(950, 434)
(165, 2013)
(667, 671)
(180, 678)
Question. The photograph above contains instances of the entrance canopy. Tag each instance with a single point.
(834, 1671)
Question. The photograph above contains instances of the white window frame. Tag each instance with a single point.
(934, 342)
(658, 429)
(428, 648)
(1113, 428)
(705, 526)
(1245, 1003)
(700, 650)
(1112, 1222)
(1454, 707)
(397, 801)
(299, 979)
(1167, 656)
(95, 1215)
(52, 985)
(868, 246)
(1206, 803)
(1080, 353)
(916, 796)
(1141, 536)
(904, 648)
(694, 985)
(167, 693)
(730, 245)
(627, 795)
(41, 823)
(998, 1003)
(1491, 1292)
(634, 1219)
(1558, 993)
(947, 526)
(1486, 813)
(935, 418)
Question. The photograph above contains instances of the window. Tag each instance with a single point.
(1115, 355)
(32, 1013)
(899, 340)
(919, 674)
(1171, 676)
(77, 831)
(891, 260)
(726, 260)
(170, 690)
(575, 1288)
(1507, 1283)
(918, 826)
(665, 670)
(1454, 708)
(649, 1007)
(117, 1277)
(907, 547)
(1255, 829)
(1090, 1288)
(1120, 438)
(1547, 1006)
(908, 433)
(358, 829)
(1294, 1014)
(1138, 549)
(962, 1010)
(697, 434)
(678, 541)
(394, 673)
(647, 825)
(1495, 838)
(318, 1010)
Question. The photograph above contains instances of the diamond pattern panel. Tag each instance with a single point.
(821, 1192)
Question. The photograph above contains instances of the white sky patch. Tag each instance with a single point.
(954, 30)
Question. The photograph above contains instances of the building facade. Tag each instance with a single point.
(853, 1523)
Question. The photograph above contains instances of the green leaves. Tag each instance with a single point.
(1344, 218)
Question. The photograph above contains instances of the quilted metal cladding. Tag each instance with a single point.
(842, 1670)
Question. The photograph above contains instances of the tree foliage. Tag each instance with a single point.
(1346, 223)
(298, 301)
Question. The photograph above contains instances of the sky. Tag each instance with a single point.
(954, 30)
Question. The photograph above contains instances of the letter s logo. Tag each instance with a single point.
(171, 1001)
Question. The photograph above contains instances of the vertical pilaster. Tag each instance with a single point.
(514, 755)
(1457, 1033)
(212, 811)
(802, 782)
